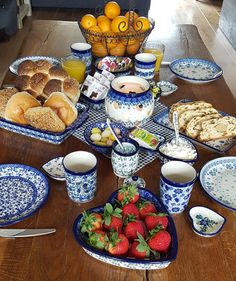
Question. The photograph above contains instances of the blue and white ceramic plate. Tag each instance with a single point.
(14, 66)
(220, 146)
(130, 263)
(51, 137)
(196, 70)
(167, 88)
(23, 190)
(54, 169)
(218, 179)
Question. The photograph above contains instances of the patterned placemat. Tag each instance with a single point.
(145, 157)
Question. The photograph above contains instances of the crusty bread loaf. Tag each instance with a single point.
(63, 107)
(17, 105)
(221, 128)
(44, 118)
(5, 95)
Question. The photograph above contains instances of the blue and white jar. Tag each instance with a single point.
(84, 52)
(81, 175)
(129, 108)
(144, 65)
(125, 162)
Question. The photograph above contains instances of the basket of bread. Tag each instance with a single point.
(113, 33)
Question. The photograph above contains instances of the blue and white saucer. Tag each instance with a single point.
(54, 169)
(167, 88)
(206, 222)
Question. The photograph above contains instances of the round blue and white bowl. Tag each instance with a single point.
(84, 52)
(144, 65)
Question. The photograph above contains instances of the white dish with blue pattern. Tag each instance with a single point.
(196, 70)
(167, 88)
(218, 179)
(54, 169)
(23, 190)
(14, 66)
(206, 222)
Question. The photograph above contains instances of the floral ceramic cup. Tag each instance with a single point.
(84, 52)
(176, 183)
(81, 175)
(144, 65)
(125, 162)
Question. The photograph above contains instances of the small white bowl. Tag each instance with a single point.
(206, 222)
(54, 169)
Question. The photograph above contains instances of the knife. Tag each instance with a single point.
(15, 233)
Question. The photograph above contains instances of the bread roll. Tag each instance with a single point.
(44, 118)
(23, 82)
(38, 82)
(42, 66)
(5, 95)
(53, 85)
(26, 68)
(56, 72)
(71, 89)
(63, 107)
(17, 105)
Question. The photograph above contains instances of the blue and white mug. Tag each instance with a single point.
(81, 175)
(125, 162)
(144, 65)
(84, 52)
(176, 183)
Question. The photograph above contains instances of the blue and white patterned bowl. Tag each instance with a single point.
(206, 222)
(54, 169)
(196, 70)
(167, 88)
(102, 125)
(95, 104)
(130, 263)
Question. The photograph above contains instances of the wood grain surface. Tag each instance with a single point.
(58, 257)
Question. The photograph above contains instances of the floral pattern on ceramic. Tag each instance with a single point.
(144, 65)
(124, 164)
(130, 263)
(196, 70)
(95, 104)
(206, 222)
(84, 52)
(218, 179)
(136, 181)
(54, 169)
(23, 191)
(167, 88)
(129, 109)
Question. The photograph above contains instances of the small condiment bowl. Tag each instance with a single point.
(54, 169)
(206, 222)
(164, 158)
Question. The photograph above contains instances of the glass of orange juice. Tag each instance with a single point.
(156, 48)
(74, 67)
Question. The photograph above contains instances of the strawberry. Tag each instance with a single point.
(98, 239)
(118, 244)
(91, 222)
(146, 207)
(133, 228)
(128, 194)
(112, 218)
(160, 240)
(152, 220)
(130, 209)
(139, 248)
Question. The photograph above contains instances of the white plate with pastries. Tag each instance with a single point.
(14, 66)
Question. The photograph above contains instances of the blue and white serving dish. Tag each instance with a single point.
(206, 222)
(196, 70)
(218, 179)
(14, 66)
(167, 88)
(23, 191)
(126, 262)
(51, 137)
(54, 169)
(95, 104)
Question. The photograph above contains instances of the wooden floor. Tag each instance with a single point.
(204, 14)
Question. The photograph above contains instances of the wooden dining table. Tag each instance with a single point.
(58, 257)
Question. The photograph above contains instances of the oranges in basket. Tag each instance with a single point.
(113, 33)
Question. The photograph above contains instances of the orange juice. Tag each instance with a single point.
(75, 68)
(159, 55)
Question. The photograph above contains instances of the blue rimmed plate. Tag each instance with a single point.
(196, 70)
(218, 179)
(23, 190)
(14, 66)
(54, 169)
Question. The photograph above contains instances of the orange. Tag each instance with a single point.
(101, 18)
(99, 50)
(119, 24)
(129, 38)
(142, 23)
(131, 16)
(96, 36)
(118, 50)
(112, 9)
(133, 49)
(88, 21)
(111, 40)
(105, 25)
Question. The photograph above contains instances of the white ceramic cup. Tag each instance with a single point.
(176, 183)
(81, 175)
(84, 52)
(144, 65)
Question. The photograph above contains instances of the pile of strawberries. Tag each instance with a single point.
(132, 227)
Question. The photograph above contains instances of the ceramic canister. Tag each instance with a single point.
(129, 101)
(84, 52)
(81, 175)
